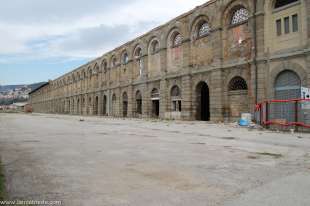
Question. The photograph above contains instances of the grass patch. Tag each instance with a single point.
(270, 154)
(2, 183)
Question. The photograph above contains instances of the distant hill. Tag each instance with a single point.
(4, 88)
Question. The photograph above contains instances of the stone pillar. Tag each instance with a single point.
(163, 98)
(131, 98)
(100, 103)
(146, 100)
(187, 97)
(216, 96)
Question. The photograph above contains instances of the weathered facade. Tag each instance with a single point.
(211, 63)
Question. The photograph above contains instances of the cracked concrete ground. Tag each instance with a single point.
(107, 162)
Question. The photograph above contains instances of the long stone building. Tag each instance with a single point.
(211, 63)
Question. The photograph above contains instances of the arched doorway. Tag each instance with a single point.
(176, 99)
(113, 105)
(83, 106)
(78, 106)
(238, 99)
(104, 111)
(287, 85)
(69, 107)
(125, 104)
(155, 97)
(203, 102)
(96, 105)
(89, 106)
(138, 103)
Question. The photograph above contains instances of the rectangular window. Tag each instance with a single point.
(279, 27)
(177, 106)
(286, 25)
(295, 22)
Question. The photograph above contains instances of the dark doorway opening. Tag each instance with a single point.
(138, 103)
(203, 99)
(125, 104)
(96, 106)
(155, 109)
(104, 111)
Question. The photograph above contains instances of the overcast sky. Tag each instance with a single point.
(43, 39)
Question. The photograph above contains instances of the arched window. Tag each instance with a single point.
(96, 69)
(287, 85)
(239, 15)
(113, 63)
(138, 53)
(281, 3)
(125, 58)
(175, 92)
(114, 104)
(125, 104)
(154, 46)
(177, 40)
(138, 57)
(203, 29)
(104, 66)
(176, 99)
(78, 76)
(237, 83)
(155, 94)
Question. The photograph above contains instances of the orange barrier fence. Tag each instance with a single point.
(286, 113)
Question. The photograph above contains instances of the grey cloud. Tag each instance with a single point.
(99, 39)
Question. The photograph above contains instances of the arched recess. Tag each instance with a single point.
(287, 85)
(96, 104)
(124, 57)
(174, 50)
(83, 107)
(78, 106)
(154, 63)
(138, 61)
(125, 104)
(201, 42)
(104, 109)
(203, 102)
(104, 73)
(155, 98)
(176, 99)
(286, 66)
(114, 106)
(138, 103)
(238, 98)
(200, 27)
(89, 108)
(95, 83)
(237, 31)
